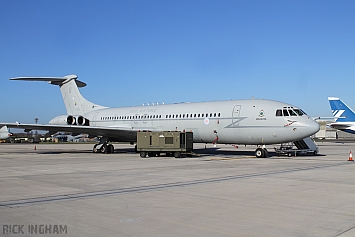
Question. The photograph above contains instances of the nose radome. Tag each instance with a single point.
(312, 127)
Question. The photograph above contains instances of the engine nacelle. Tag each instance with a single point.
(71, 120)
(83, 121)
(59, 120)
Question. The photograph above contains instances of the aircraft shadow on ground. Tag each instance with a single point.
(197, 153)
(217, 151)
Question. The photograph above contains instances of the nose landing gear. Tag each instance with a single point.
(261, 153)
(103, 147)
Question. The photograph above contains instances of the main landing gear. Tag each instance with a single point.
(103, 147)
(261, 153)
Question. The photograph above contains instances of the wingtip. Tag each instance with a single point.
(333, 98)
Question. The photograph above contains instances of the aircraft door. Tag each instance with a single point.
(235, 115)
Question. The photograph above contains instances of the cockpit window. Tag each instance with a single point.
(292, 113)
(300, 112)
(289, 111)
(279, 112)
(285, 112)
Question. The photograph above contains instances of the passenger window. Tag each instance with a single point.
(285, 112)
(278, 112)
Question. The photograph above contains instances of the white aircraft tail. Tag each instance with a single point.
(4, 133)
(74, 102)
(4, 129)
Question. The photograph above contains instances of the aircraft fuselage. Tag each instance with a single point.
(233, 122)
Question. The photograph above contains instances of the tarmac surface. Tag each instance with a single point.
(66, 190)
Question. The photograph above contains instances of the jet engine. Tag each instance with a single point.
(83, 121)
(71, 120)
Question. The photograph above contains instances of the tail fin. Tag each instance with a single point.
(74, 102)
(341, 112)
(4, 129)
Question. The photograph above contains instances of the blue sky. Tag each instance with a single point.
(143, 51)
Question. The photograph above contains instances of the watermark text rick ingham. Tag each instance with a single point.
(37, 229)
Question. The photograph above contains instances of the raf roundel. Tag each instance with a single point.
(206, 121)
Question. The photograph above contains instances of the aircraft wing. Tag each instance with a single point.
(121, 132)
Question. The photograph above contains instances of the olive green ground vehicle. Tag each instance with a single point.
(171, 143)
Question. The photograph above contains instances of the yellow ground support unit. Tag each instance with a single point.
(170, 143)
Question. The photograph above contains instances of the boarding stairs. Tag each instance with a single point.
(305, 146)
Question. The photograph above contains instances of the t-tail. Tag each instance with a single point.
(74, 102)
(341, 112)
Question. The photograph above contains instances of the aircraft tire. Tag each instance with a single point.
(110, 149)
(266, 153)
(259, 153)
(94, 149)
(103, 149)
(143, 154)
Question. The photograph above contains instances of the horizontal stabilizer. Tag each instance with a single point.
(53, 80)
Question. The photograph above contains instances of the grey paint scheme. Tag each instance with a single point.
(241, 121)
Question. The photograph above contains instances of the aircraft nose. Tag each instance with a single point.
(312, 127)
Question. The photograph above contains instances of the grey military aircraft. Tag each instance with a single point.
(250, 122)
